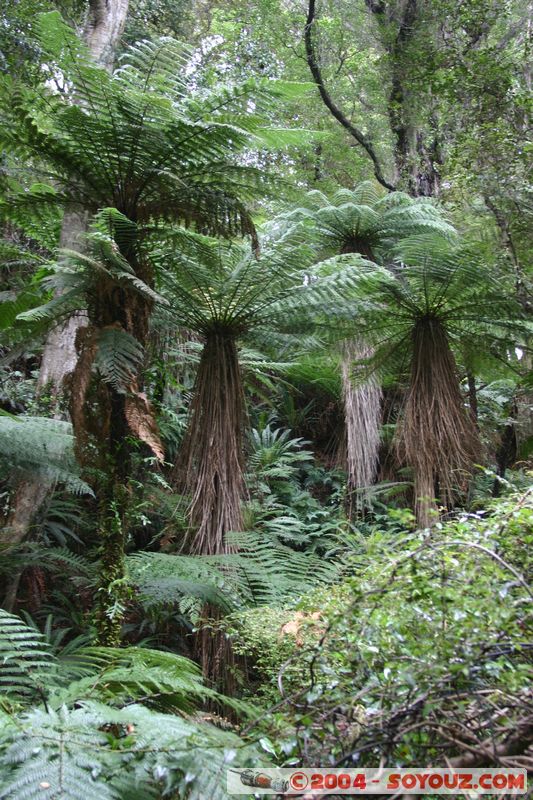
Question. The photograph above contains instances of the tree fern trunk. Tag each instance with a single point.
(362, 407)
(436, 435)
(112, 592)
(211, 471)
(211, 467)
(105, 418)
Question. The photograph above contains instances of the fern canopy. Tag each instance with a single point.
(140, 140)
(366, 222)
(435, 278)
(216, 287)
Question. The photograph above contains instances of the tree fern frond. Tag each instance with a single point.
(118, 676)
(59, 756)
(101, 753)
(119, 357)
(163, 579)
(40, 444)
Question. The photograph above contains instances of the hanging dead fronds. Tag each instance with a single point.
(436, 434)
(362, 407)
(211, 467)
(141, 420)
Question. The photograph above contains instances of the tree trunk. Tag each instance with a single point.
(212, 451)
(103, 29)
(416, 152)
(105, 417)
(362, 410)
(212, 473)
(27, 499)
(436, 435)
(59, 354)
(104, 26)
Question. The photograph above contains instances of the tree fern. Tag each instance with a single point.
(263, 571)
(118, 676)
(94, 751)
(440, 297)
(118, 358)
(162, 579)
(140, 136)
(143, 142)
(59, 755)
(365, 222)
(224, 293)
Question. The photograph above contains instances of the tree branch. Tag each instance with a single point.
(516, 744)
(336, 112)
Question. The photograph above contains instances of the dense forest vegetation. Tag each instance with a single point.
(266, 390)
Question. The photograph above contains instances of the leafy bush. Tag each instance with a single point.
(425, 650)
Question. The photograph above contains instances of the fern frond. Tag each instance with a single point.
(41, 445)
(118, 357)
(118, 676)
(96, 752)
(26, 662)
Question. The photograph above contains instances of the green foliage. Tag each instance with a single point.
(74, 745)
(118, 358)
(442, 280)
(275, 457)
(41, 446)
(211, 285)
(428, 630)
(264, 571)
(26, 661)
(375, 642)
(95, 751)
(139, 140)
(364, 221)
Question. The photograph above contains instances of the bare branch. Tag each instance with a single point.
(336, 112)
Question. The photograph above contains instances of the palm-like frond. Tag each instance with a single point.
(26, 662)
(118, 676)
(439, 279)
(96, 752)
(140, 140)
(440, 295)
(264, 571)
(363, 221)
(212, 285)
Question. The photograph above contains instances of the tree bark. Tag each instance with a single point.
(362, 411)
(27, 499)
(59, 354)
(416, 154)
(103, 29)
